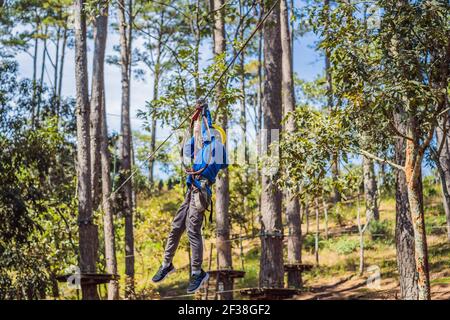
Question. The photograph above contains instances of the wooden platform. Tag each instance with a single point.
(90, 278)
(226, 273)
(298, 267)
(269, 293)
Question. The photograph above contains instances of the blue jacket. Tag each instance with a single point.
(218, 157)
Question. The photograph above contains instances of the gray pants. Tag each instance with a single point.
(187, 217)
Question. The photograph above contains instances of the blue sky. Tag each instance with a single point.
(308, 63)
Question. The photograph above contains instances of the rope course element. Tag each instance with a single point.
(193, 294)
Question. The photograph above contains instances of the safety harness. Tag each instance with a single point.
(200, 112)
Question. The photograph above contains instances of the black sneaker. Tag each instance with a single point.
(162, 273)
(196, 281)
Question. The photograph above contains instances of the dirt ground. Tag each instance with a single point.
(355, 287)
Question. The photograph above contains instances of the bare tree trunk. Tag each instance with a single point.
(271, 266)
(222, 185)
(197, 35)
(325, 211)
(292, 35)
(316, 236)
(41, 81)
(258, 111)
(259, 98)
(370, 189)
(35, 57)
(100, 34)
(443, 165)
(330, 105)
(61, 71)
(108, 217)
(88, 232)
(126, 150)
(306, 213)
(63, 55)
(404, 232)
(55, 73)
(294, 243)
(243, 106)
(155, 97)
(361, 239)
(100, 151)
(413, 163)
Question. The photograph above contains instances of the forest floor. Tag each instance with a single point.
(336, 276)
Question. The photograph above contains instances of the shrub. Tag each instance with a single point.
(309, 242)
(344, 245)
(379, 230)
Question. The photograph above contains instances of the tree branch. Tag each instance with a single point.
(374, 157)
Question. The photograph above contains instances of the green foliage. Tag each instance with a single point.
(37, 208)
(309, 242)
(436, 224)
(380, 230)
(344, 245)
(244, 197)
(307, 152)
(430, 185)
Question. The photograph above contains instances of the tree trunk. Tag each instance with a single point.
(370, 189)
(325, 211)
(294, 244)
(222, 185)
(243, 106)
(413, 163)
(404, 232)
(258, 108)
(316, 236)
(125, 61)
(41, 81)
(330, 105)
(197, 41)
(155, 97)
(33, 100)
(271, 266)
(100, 34)
(361, 240)
(61, 66)
(101, 152)
(108, 213)
(88, 232)
(55, 72)
(306, 213)
(443, 165)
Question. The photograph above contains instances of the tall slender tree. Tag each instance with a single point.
(370, 189)
(100, 33)
(271, 265)
(88, 233)
(443, 165)
(293, 222)
(125, 26)
(330, 104)
(404, 231)
(99, 145)
(223, 223)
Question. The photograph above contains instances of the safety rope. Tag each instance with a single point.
(88, 220)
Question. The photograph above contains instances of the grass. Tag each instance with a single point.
(338, 255)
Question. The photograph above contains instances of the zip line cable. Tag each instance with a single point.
(208, 93)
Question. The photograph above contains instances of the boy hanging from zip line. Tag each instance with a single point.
(209, 156)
